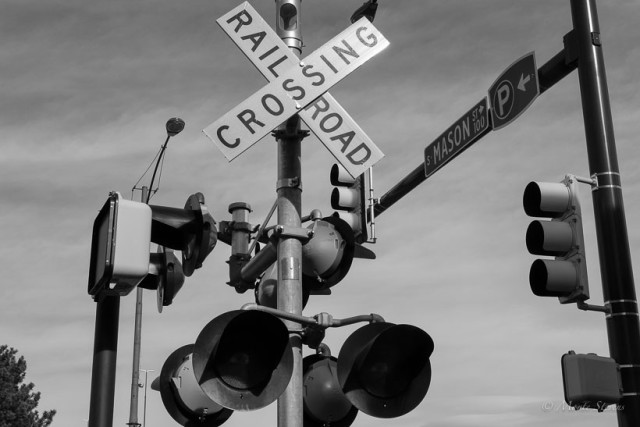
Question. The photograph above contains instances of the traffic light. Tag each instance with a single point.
(324, 402)
(564, 277)
(384, 369)
(191, 230)
(350, 199)
(119, 246)
(243, 360)
(181, 395)
(165, 276)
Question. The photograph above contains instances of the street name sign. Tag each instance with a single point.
(459, 136)
(514, 91)
(298, 86)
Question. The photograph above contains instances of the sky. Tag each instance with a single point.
(87, 88)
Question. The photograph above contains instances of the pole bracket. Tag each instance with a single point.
(302, 234)
(590, 307)
(321, 320)
(606, 180)
(294, 182)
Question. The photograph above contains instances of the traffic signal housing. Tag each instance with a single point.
(590, 381)
(119, 246)
(191, 230)
(328, 255)
(324, 402)
(124, 229)
(243, 359)
(349, 198)
(181, 395)
(165, 276)
(561, 237)
(384, 368)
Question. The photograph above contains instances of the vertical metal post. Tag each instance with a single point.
(137, 333)
(144, 410)
(105, 349)
(623, 327)
(289, 202)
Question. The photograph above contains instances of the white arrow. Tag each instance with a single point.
(523, 81)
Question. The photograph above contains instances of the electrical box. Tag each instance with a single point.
(590, 381)
(119, 246)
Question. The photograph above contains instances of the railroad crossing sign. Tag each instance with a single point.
(460, 135)
(514, 91)
(298, 86)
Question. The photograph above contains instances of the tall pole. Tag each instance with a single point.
(105, 349)
(623, 326)
(144, 409)
(289, 197)
(137, 335)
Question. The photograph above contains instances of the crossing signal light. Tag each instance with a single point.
(119, 246)
(326, 259)
(561, 236)
(349, 198)
(327, 256)
(191, 230)
(181, 395)
(384, 369)
(266, 291)
(243, 360)
(165, 276)
(324, 402)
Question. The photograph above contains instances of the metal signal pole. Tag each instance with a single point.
(289, 201)
(623, 327)
(105, 350)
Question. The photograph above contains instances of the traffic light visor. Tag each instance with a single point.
(546, 199)
(181, 395)
(384, 369)
(243, 359)
(324, 401)
(552, 238)
(552, 278)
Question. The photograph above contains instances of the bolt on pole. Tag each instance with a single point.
(289, 202)
(623, 327)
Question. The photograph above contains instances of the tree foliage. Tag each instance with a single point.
(18, 401)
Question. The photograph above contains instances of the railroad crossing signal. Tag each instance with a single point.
(298, 86)
(181, 395)
(384, 369)
(242, 360)
(561, 237)
(324, 401)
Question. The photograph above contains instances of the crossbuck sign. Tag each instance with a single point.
(298, 87)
